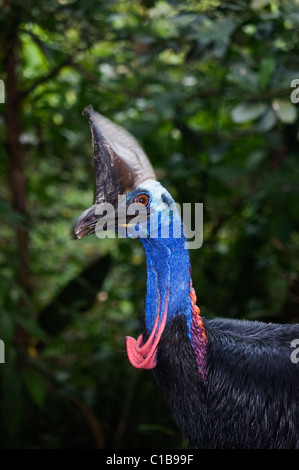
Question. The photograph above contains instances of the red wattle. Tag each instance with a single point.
(143, 356)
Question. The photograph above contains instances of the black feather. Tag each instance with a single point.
(250, 399)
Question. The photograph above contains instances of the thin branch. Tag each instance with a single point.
(86, 412)
(89, 416)
(23, 94)
(126, 409)
(86, 73)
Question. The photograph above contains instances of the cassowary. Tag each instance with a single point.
(229, 383)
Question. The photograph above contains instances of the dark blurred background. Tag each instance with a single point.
(206, 89)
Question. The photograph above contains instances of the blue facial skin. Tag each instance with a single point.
(168, 264)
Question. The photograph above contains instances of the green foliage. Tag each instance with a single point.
(205, 87)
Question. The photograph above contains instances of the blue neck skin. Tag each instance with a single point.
(168, 271)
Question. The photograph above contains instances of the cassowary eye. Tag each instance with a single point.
(142, 200)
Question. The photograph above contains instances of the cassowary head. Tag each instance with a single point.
(128, 198)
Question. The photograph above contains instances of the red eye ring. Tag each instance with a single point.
(142, 200)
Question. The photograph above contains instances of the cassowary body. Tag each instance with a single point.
(249, 398)
(229, 383)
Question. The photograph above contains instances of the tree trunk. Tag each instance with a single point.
(15, 152)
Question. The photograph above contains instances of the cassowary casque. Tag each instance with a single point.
(229, 383)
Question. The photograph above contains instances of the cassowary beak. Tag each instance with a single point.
(120, 165)
(86, 223)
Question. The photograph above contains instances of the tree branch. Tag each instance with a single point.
(23, 94)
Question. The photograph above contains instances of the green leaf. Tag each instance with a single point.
(246, 112)
(259, 4)
(267, 67)
(254, 159)
(267, 122)
(227, 174)
(244, 77)
(30, 325)
(153, 428)
(35, 385)
(285, 111)
(6, 326)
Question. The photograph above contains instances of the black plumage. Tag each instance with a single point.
(250, 398)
